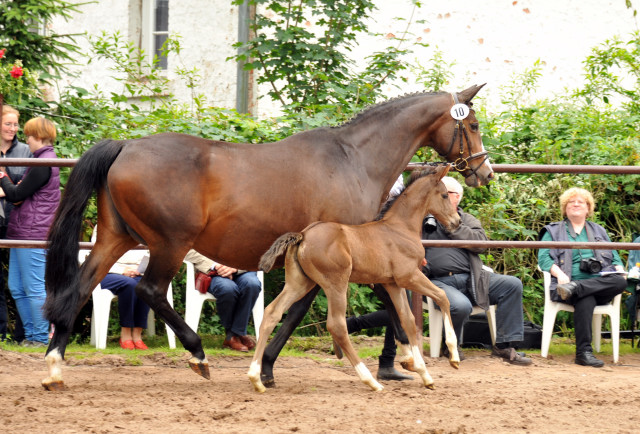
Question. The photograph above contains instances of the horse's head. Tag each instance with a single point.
(459, 139)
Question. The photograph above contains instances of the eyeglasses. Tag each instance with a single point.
(10, 124)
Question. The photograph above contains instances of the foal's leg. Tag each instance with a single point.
(296, 286)
(398, 331)
(406, 357)
(422, 285)
(401, 337)
(337, 325)
(399, 297)
(294, 317)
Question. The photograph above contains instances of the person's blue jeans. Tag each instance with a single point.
(235, 299)
(132, 310)
(504, 291)
(26, 283)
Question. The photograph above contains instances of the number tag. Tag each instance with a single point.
(459, 111)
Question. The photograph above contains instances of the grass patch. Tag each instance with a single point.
(368, 347)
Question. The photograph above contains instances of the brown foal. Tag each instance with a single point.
(387, 251)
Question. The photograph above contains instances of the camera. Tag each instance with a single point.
(590, 265)
(430, 223)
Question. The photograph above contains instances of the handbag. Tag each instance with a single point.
(203, 280)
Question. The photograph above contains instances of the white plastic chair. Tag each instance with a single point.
(436, 323)
(194, 300)
(551, 309)
(102, 299)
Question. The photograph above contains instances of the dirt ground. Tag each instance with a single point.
(316, 396)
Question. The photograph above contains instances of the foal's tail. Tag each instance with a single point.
(61, 275)
(278, 247)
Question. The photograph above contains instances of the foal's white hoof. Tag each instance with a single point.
(254, 377)
(257, 384)
(375, 386)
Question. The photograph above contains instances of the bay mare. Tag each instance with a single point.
(173, 192)
(388, 251)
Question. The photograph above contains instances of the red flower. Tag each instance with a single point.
(4, 50)
(16, 72)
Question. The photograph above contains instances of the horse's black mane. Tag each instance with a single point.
(374, 108)
(415, 175)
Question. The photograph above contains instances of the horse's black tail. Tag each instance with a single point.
(278, 247)
(61, 275)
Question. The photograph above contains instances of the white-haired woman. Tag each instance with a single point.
(575, 277)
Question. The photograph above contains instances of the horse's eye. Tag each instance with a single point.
(445, 196)
(475, 127)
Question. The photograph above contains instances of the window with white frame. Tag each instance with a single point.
(155, 29)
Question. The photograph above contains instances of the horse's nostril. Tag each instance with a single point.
(491, 175)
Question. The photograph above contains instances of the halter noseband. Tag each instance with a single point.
(461, 164)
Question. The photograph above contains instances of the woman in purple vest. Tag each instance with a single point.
(36, 198)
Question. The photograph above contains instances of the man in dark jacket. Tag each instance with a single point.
(459, 272)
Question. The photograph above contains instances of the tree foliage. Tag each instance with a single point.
(23, 32)
(310, 70)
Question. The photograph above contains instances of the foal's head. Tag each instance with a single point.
(435, 195)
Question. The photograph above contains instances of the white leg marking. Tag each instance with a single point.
(452, 343)
(54, 362)
(196, 361)
(420, 367)
(406, 357)
(365, 376)
(254, 376)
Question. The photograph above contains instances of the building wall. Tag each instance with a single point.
(490, 41)
(208, 28)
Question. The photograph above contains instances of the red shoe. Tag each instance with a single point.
(140, 345)
(127, 345)
(235, 344)
(248, 342)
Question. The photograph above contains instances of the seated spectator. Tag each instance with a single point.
(122, 279)
(633, 285)
(459, 272)
(236, 292)
(573, 278)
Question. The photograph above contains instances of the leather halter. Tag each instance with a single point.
(461, 164)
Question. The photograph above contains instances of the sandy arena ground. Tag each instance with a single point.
(316, 396)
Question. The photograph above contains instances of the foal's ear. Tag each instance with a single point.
(467, 95)
(444, 171)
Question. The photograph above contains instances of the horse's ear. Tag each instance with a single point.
(467, 95)
(444, 171)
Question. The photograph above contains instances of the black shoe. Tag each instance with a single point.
(392, 374)
(444, 352)
(588, 359)
(566, 290)
(510, 355)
